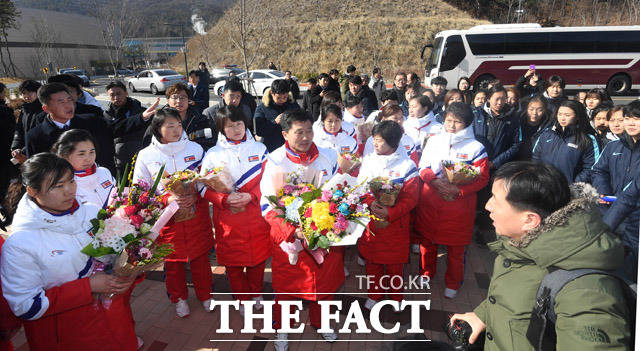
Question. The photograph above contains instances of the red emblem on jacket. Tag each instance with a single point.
(189, 158)
(253, 158)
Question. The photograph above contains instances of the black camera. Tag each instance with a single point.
(459, 333)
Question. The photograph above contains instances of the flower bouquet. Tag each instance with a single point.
(460, 173)
(364, 131)
(348, 161)
(217, 179)
(337, 214)
(132, 220)
(181, 183)
(291, 198)
(386, 193)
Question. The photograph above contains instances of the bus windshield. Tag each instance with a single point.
(432, 62)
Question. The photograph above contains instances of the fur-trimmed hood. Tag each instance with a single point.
(267, 100)
(571, 237)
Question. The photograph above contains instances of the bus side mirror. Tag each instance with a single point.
(423, 49)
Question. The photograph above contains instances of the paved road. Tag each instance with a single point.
(147, 99)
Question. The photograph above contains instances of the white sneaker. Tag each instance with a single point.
(450, 293)
(281, 342)
(207, 305)
(140, 342)
(258, 301)
(346, 272)
(182, 308)
(415, 248)
(329, 337)
(361, 262)
(369, 304)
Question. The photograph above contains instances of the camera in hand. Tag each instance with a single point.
(459, 333)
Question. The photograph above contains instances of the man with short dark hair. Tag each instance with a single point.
(377, 83)
(127, 124)
(542, 229)
(275, 102)
(231, 96)
(400, 85)
(293, 85)
(199, 89)
(368, 97)
(439, 87)
(204, 75)
(333, 81)
(344, 80)
(302, 278)
(30, 115)
(312, 98)
(58, 104)
(85, 103)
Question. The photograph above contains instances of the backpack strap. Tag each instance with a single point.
(555, 280)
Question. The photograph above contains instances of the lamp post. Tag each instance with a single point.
(184, 47)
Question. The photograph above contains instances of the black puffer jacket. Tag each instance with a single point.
(128, 129)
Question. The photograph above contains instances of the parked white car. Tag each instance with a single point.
(218, 74)
(155, 80)
(261, 79)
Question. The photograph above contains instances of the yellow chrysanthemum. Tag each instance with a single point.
(321, 216)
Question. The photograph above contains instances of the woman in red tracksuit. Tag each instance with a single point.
(47, 281)
(242, 234)
(446, 212)
(386, 249)
(191, 239)
(9, 323)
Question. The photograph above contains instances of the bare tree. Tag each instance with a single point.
(247, 26)
(8, 20)
(47, 55)
(118, 21)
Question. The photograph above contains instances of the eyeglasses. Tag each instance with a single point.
(178, 97)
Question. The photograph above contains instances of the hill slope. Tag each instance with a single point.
(152, 12)
(315, 36)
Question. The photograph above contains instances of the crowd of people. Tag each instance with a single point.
(557, 181)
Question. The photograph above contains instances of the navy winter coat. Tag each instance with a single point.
(503, 145)
(626, 209)
(560, 150)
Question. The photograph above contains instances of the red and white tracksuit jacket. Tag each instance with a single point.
(450, 222)
(390, 245)
(242, 239)
(421, 129)
(192, 238)
(406, 143)
(306, 276)
(94, 185)
(45, 280)
(339, 142)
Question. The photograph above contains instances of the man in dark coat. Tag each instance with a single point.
(313, 98)
(30, 115)
(293, 85)
(124, 117)
(333, 81)
(199, 97)
(268, 114)
(368, 97)
(58, 103)
(7, 127)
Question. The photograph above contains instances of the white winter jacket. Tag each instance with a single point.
(95, 188)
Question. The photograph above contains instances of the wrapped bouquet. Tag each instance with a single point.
(385, 190)
(181, 183)
(292, 197)
(460, 173)
(124, 233)
(337, 213)
(348, 162)
(217, 179)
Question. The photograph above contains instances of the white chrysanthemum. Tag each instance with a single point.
(116, 227)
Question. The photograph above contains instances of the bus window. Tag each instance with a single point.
(453, 54)
(432, 62)
(486, 44)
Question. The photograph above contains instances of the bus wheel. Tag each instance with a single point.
(620, 84)
(482, 81)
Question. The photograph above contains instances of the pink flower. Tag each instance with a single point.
(130, 210)
(313, 226)
(333, 208)
(326, 195)
(288, 189)
(145, 253)
(136, 220)
(307, 212)
(121, 213)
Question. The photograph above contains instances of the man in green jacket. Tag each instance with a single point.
(543, 223)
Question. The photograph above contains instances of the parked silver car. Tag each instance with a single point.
(155, 80)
